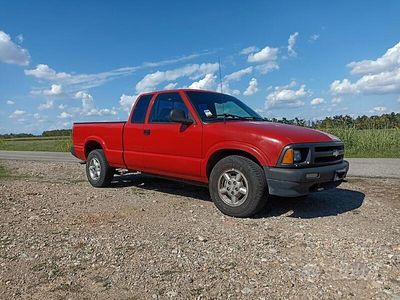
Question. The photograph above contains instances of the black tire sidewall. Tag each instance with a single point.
(255, 176)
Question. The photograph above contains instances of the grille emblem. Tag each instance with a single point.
(335, 153)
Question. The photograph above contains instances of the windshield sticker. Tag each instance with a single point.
(208, 113)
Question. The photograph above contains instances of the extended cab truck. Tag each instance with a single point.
(213, 139)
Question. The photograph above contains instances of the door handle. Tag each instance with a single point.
(146, 132)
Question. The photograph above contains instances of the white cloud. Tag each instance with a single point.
(152, 80)
(266, 54)
(238, 74)
(252, 88)
(249, 50)
(19, 38)
(64, 115)
(73, 83)
(10, 102)
(378, 110)
(336, 100)
(206, 83)
(62, 106)
(389, 61)
(18, 113)
(170, 86)
(49, 104)
(313, 38)
(10, 53)
(291, 43)
(285, 96)
(55, 89)
(89, 108)
(267, 67)
(380, 76)
(317, 101)
(127, 101)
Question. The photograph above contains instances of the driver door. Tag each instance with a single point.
(171, 149)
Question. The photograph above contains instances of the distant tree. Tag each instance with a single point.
(57, 132)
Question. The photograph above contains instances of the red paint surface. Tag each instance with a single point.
(181, 151)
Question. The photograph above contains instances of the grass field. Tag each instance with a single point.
(3, 172)
(56, 144)
(369, 142)
(358, 143)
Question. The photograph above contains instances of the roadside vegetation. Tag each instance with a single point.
(56, 144)
(375, 136)
(3, 172)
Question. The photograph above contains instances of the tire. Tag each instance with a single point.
(243, 202)
(98, 171)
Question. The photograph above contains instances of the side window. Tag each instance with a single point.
(164, 104)
(139, 114)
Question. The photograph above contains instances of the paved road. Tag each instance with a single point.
(360, 167)
(38, 156)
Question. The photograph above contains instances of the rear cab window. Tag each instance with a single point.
(139, 112)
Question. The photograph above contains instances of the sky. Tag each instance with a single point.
(68, 61)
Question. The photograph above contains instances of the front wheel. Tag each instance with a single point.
(98, 171)
(238, 186)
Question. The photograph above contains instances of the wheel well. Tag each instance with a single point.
(90, 146)
(217, 156)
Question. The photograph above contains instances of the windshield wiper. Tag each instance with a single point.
(226, 115)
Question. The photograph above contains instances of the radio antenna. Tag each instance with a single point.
(220, 73)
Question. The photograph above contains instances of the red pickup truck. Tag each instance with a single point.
(216, 140)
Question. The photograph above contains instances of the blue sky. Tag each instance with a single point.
(69, 61)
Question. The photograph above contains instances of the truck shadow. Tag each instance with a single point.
(316, 205)
(321, 204)
(162, 185)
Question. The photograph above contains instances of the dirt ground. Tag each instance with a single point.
(148, 238)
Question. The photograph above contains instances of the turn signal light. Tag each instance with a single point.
(288, 157)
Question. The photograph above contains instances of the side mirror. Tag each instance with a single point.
(177, 115)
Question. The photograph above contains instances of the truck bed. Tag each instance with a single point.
(107, 134)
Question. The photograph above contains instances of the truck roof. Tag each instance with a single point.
(177, 90)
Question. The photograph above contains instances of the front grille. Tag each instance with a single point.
(328, 159)
(316, 154)
(329, 153)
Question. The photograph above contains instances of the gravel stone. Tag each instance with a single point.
(149, 238)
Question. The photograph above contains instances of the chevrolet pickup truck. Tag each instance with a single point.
(216, 140)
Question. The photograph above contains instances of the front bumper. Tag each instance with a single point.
(287, 182)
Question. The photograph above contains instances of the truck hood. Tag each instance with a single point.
(277, 132)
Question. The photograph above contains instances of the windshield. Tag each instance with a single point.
(213, 107)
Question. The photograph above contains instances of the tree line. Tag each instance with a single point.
(47, 133)
(391, 120)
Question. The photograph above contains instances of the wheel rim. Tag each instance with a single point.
(233, 187)
(94, 168)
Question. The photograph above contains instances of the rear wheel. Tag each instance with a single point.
(98, 171)
(238, 186)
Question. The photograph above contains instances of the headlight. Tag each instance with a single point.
(295, 156)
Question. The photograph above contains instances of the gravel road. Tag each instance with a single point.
(360, 167)
(147, 238)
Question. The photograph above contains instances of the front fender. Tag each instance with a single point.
(233, 145)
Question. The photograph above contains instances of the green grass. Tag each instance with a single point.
(36, 144)
(369, 142)
(3, 172)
